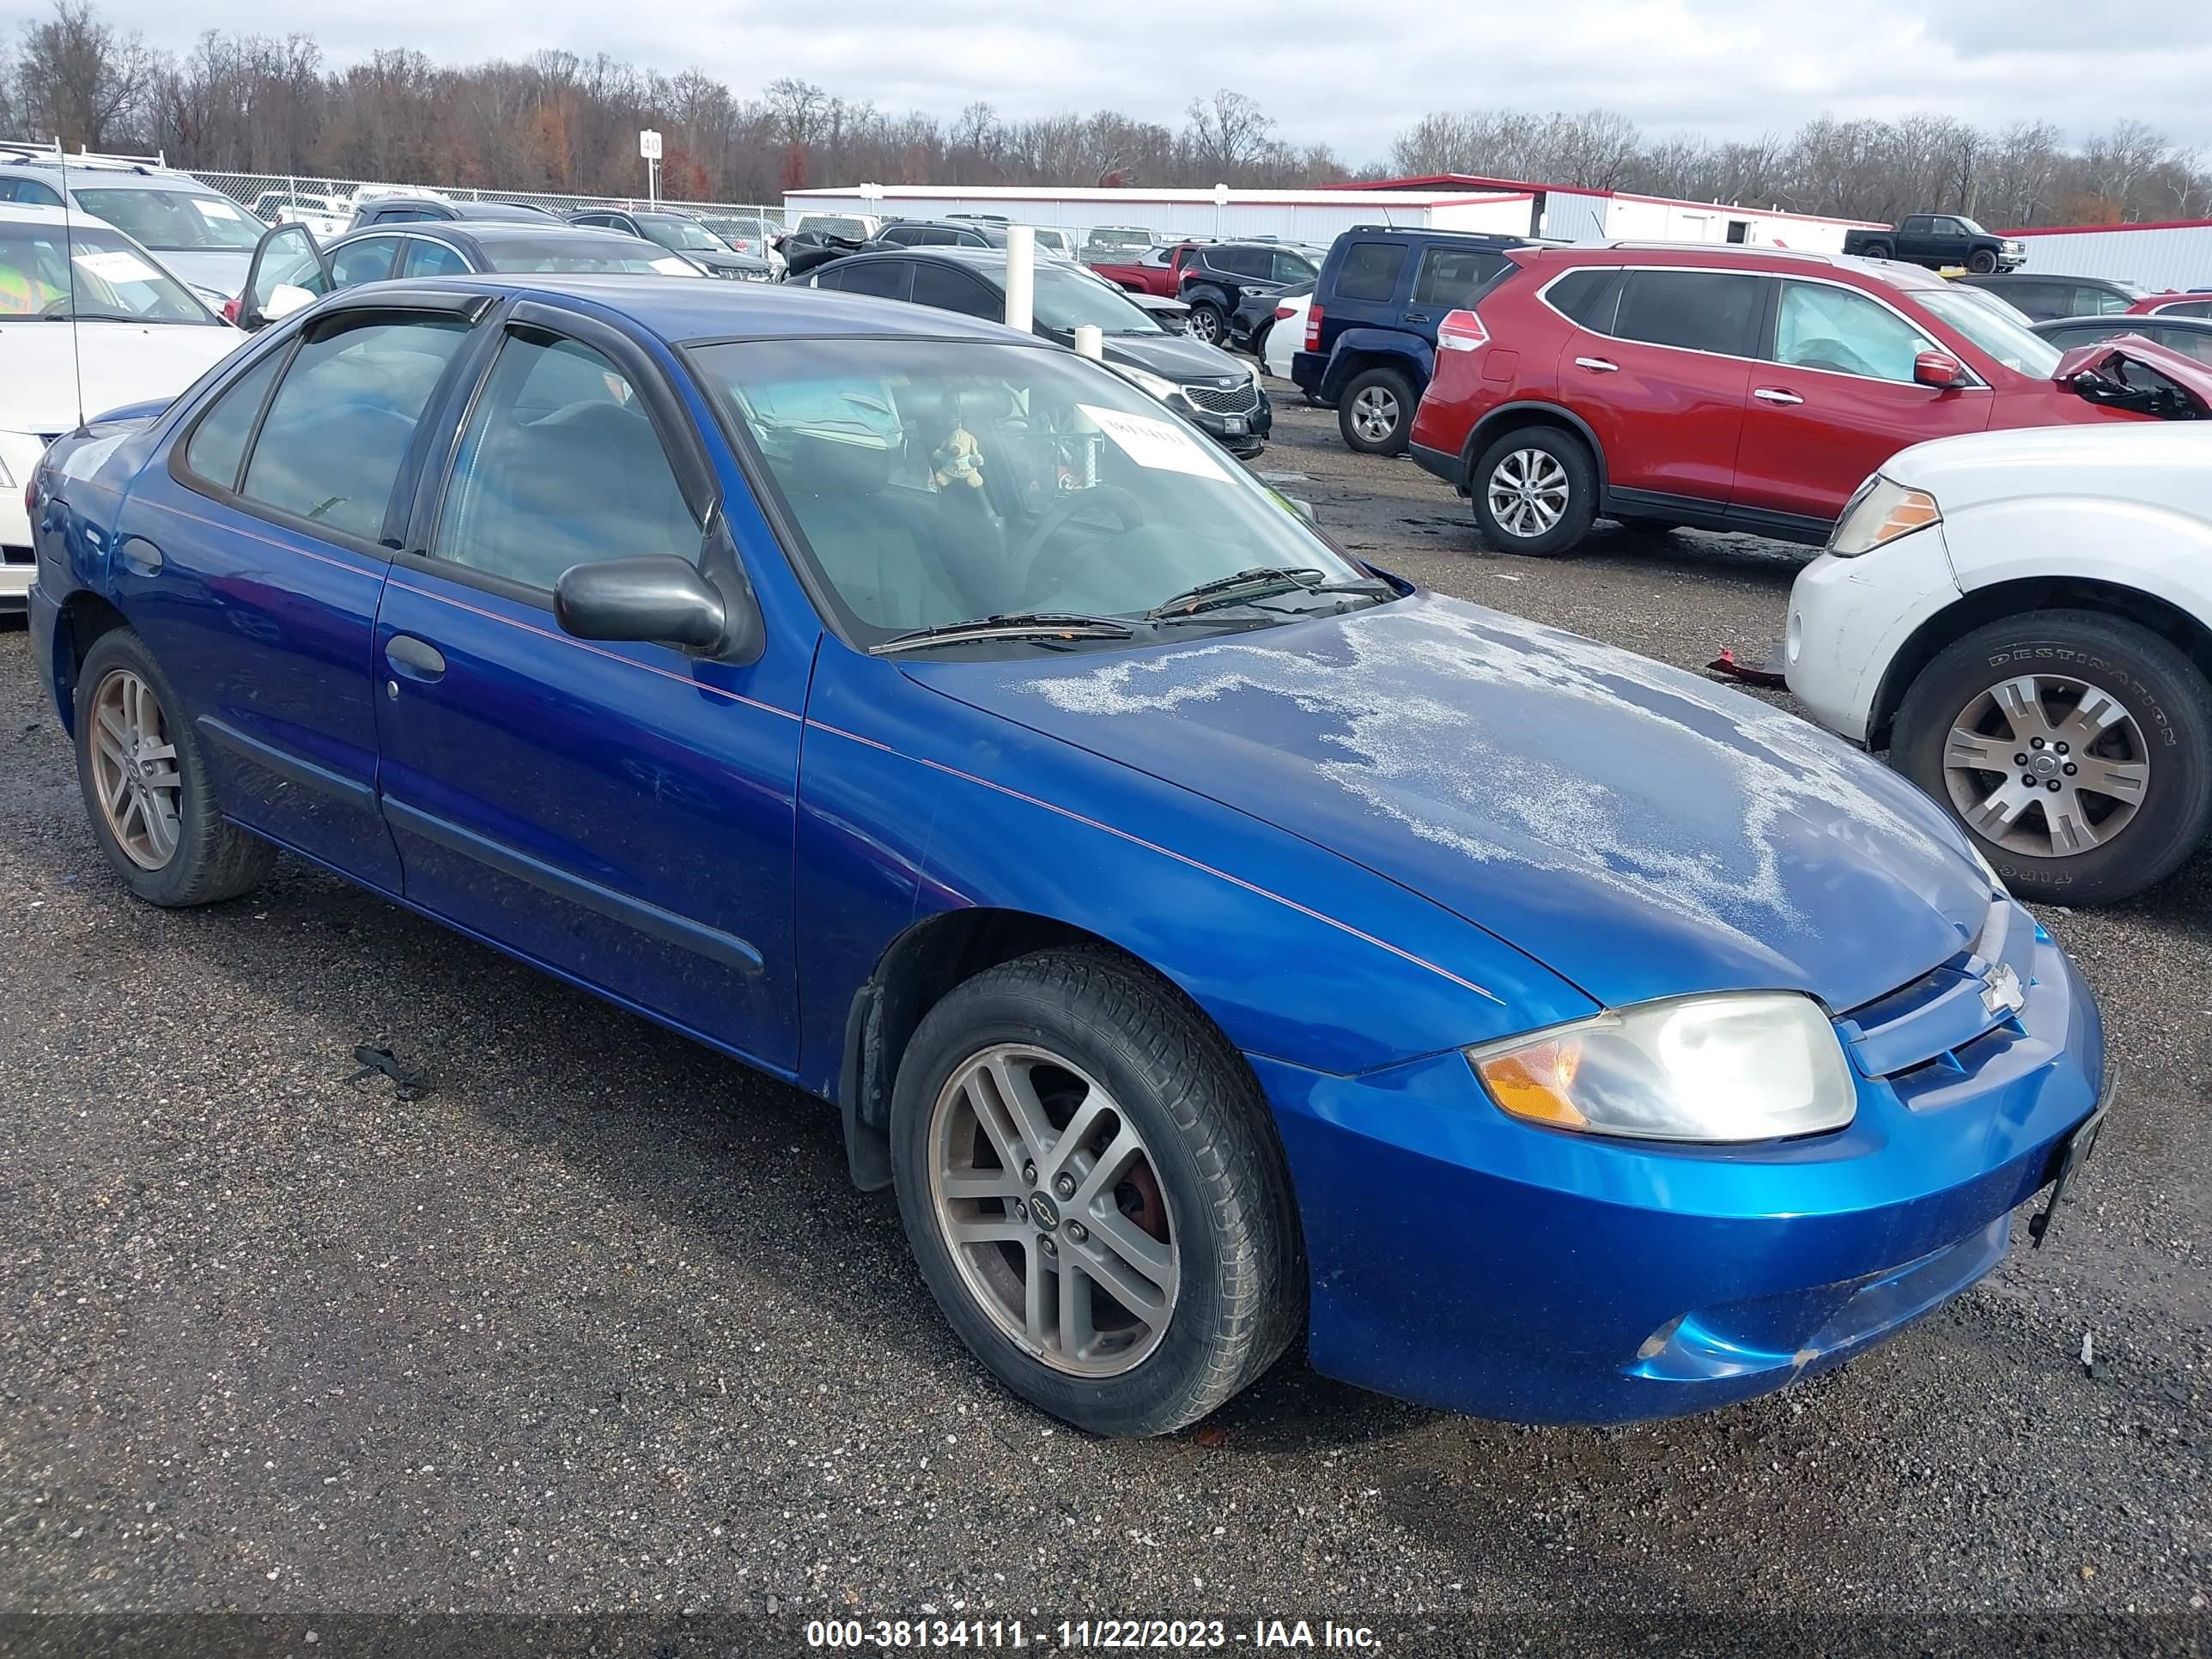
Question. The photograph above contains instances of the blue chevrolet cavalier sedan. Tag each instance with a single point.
(1212, 940)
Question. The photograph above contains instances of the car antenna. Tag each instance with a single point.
(68, 270)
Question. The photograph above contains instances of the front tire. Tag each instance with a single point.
(1375, 413)
(1535, 492)
(1094, 1192)
(2075, 749)
(1981, 262)
(147, 787)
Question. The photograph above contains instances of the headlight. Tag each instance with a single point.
(1151, 385)
(1881, 512)
(1749, 1065)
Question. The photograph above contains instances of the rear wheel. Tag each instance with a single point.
(147, 789)
(1094, 1192)
(1259, 342)
(1205, 323)
(2075, 747)
(1981, 262)
(1535, 492)
(1375, 412)
(1880, 251)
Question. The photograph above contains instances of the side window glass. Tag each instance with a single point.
(428, 258)
(2108, 305)
(369, 260)
(31, 193)
(560, 466)
(342, 420)
(1699, 310)
(1293, 268)
(1589, 296)
(1450, 277)
(1833, 328)
(218, 442)
(1370, 271)
(286, 259)
(885, 278)
(955, 290)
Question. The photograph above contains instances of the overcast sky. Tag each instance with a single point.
(1350, 73)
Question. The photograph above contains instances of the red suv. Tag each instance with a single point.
(1720, 387)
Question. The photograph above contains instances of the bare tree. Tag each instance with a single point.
(1228, 131)
(82, 81)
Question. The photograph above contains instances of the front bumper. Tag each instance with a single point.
(1468, 1261)
(1848, 619)
(1255, 425)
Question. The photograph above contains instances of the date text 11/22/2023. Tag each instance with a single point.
(1088, 1634)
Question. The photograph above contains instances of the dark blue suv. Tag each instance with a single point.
(1371, 332)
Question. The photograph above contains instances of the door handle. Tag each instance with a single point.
(1768, 394)
(416, 659)
(1417, 317)
(1597, 365)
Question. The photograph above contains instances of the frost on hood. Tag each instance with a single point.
(1507, 741)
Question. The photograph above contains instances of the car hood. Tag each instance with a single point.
(53, 370)
(1176, 357)
(221, 270)
(1640, 831)
(2165, 461)
(719, 261)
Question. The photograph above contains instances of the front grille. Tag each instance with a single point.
(1940, 1028)
(11, 554)
(1240, 399)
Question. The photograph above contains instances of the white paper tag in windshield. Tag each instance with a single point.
(672, 266)
(214, 209)
(1159, 444)
(120, 265)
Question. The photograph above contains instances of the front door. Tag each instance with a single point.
(620, 814)
(1837, 399)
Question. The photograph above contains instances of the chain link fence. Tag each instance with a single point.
(272, 196)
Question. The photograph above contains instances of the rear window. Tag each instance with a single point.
(1697, 310)
(1370, 271)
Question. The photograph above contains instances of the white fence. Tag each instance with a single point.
(764, 219)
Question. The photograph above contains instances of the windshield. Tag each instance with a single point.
(938, 481)
(1972, 228)
(1064, 301)
(175, 221)
(2005, 339)
(555, 252)
(115, 282)
(682, 233)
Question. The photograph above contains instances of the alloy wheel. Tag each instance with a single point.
(1527, 492)
(1203, 325)
(2046, 765)
(135, 774)
(1045, 1194)
(1375, 413)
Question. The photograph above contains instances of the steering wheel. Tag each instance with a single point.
(56, 307)
(1026, 558)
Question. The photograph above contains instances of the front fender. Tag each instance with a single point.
(1358, 349)
(912, 805)
(2112, 539)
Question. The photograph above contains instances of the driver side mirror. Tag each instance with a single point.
(1941, 370)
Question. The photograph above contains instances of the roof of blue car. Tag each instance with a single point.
(679, 309)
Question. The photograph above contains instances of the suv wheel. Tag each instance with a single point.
(1535, 491)
(1259, 347)
(1205, 323)
(2075, 747)
(146, 785)
(1981, 262)
(1094, 1192)
(1375, 411)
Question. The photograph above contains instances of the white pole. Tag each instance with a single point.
(1021, 276)
(1090, 341)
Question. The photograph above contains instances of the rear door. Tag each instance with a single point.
(252, 565)
(286, 257)
(1836, 398)
(1663, 384)
(621, 813)
(1369, 289)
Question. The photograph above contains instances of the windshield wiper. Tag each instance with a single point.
(1268, 580)
(1015, 625)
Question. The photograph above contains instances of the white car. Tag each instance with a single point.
(326, 215)
(198, 233)
(1286, 335)
(139, 334)
(2024, 620)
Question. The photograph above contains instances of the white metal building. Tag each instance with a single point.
(1293, 216)
(2157, 256)
(1443, 202)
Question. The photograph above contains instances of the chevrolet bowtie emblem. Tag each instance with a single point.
(2002, 992)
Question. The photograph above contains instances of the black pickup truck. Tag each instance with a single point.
(1937, 241)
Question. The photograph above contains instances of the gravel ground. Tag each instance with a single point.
(599, 1325)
